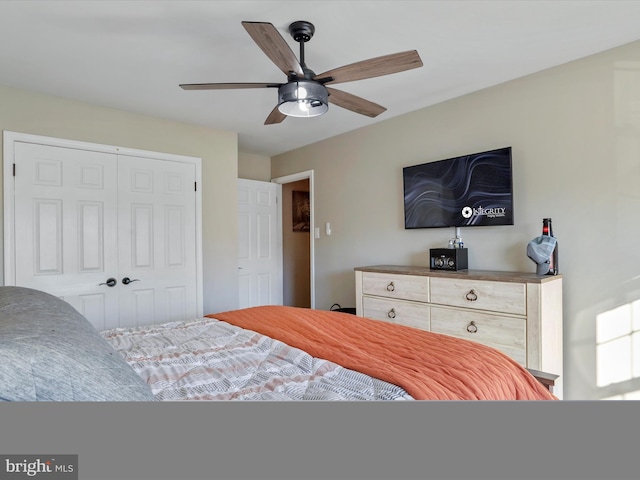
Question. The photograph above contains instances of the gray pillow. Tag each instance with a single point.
(50, 352)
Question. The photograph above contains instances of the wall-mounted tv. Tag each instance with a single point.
(465, 191)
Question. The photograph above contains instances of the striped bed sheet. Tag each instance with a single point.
(209, 359)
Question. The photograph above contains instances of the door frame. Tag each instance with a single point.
(305, 175)
(11, 138)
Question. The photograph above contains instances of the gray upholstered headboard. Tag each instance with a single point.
(50, 352)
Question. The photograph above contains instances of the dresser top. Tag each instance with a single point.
(494, 275)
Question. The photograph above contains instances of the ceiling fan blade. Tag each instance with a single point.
(354, 103)
(225, 86)
(274, 46)
(374, 67)
(276, 116)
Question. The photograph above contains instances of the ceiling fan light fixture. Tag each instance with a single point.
(304, 94)
(304, 98)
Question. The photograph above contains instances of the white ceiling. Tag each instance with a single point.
(132, 55)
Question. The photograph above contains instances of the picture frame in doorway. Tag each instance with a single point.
(301, 211)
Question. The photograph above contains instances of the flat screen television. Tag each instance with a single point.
(465, 191)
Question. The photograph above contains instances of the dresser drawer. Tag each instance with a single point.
(397, 311)
(507, 334)
(407, 287)
(504, 297)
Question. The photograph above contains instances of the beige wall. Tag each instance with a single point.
(254, 167)
(32, 113)
(575, 133)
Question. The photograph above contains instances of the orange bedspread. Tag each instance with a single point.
(427, 365)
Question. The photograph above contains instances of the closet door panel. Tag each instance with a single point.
(66, 227)
(157, 228)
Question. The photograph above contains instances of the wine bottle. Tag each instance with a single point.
(547, 229)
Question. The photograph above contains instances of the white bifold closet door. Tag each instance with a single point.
(114, 235)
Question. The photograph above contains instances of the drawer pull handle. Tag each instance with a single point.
(472, 327)
(472, 296)
(392, 313)
(391, 287)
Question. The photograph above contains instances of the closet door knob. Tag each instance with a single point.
(127, 280)
(111, 282)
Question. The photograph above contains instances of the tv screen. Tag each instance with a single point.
(470, 190)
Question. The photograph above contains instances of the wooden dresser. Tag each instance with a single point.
(517, 313)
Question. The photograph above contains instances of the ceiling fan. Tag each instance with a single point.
(305, 94)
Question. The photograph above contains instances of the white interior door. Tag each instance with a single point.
(259, 244)
(66, 226)
(79, 223)
(156, 245)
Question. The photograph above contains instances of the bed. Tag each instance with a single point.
(261, 353)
